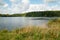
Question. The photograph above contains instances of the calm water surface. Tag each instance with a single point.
(16, 22)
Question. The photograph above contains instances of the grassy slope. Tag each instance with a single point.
(33, 33)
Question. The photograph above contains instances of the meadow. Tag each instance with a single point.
(52, 32)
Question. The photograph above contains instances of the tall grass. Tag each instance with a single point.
(33, 33)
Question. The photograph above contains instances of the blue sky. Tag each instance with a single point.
(31, 1)
(36, 1)
(19, 6)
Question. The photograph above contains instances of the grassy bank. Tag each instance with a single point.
(33, 33)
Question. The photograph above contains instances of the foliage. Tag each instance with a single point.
(34, 14)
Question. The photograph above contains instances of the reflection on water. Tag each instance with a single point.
(16, 22)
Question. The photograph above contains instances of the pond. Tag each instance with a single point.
(17, 22)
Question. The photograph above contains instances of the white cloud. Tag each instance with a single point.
(1, 4)
(48, 1)
(5, 5)
(0, 0)
(17, 6)
(56, 7)
(42, 7)
(14, 1)
(25, 1)
(39, 7)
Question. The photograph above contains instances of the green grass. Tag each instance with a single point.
(33, 33)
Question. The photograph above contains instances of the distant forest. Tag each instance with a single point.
(34, 14)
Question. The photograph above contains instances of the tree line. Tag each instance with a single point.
(34, 14)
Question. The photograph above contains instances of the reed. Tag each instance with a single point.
(33, 33)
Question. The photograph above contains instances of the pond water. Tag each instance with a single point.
(16, 22)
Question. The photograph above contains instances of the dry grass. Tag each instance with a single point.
(33, 33)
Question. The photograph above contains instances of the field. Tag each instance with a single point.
(52, 32)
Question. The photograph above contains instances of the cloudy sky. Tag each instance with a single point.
(19, 6)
